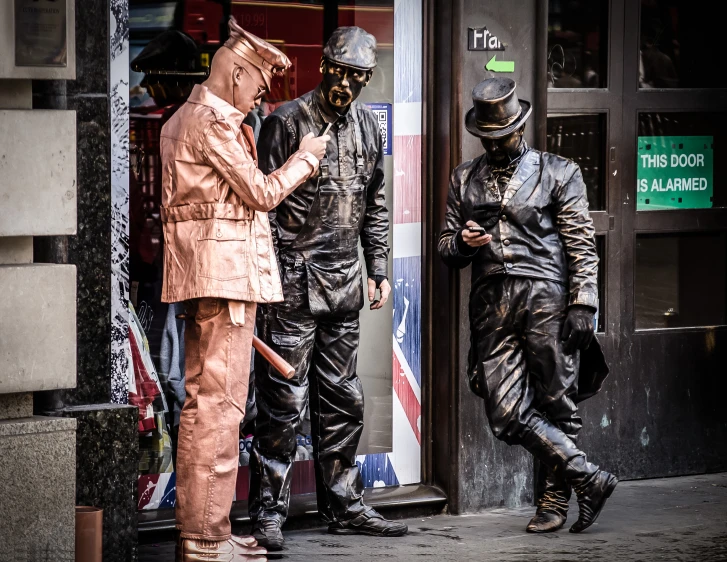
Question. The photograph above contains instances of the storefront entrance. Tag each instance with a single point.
(635, 101)
(631, 92)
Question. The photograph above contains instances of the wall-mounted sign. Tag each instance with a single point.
(480, 39)
(674, 173)
(382, 111)
(40, 33)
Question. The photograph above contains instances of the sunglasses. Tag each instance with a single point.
(261, 90)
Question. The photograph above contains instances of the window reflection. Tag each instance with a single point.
(582, 138)
(680, 281)
(678, 43)
(298, 28)
(577, 43)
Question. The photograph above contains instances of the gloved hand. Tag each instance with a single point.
(487, 214)
(578, 328)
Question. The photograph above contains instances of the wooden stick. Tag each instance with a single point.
(280, 364)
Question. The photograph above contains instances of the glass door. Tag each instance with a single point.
(584, 124)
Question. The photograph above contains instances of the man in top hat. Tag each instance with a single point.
(316, 329)
(219, 258)
(520, 218)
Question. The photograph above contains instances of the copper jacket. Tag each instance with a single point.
(544, 231)
(217, 240)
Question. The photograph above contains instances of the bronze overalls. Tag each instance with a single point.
(316, 330)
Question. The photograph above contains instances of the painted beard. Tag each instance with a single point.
(339, 98)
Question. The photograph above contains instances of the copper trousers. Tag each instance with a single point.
(217, 369)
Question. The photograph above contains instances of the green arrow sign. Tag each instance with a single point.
(500, 65)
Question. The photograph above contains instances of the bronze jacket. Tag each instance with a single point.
(279, 137)
(544, 231)
(217, 240)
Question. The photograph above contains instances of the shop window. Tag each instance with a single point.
(678, 44)
(678, 164)
(680, 280)
(391, 379)
(582, 138)
(577, 43)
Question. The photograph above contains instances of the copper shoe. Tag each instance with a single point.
(234, 549)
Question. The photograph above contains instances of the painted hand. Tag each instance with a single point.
(578, 328)
(384, 290)
(475, 239)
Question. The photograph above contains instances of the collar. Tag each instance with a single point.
(203, 96)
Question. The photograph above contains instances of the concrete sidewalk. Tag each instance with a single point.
(681, 519)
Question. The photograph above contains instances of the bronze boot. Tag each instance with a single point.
(592, 494)
(234, 549)
(552, 505)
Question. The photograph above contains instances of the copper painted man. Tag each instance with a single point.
(219, 259)
(520, 218)
(316, 329)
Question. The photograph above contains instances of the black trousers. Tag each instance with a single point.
(516, 325)
(323, 351)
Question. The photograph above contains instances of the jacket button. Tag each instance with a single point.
(503, 218)
(506, 242)
(508, 265)
(219, 234)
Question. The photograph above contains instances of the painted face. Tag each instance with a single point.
(342, 84)
(500, 149)
(248, 89)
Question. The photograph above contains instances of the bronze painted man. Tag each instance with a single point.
(520, 218)
(317, 230)
(219, 258)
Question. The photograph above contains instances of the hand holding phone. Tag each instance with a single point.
(475, 235)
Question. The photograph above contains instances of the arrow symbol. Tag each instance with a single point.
(500, 65)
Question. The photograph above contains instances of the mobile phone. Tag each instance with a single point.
(476, 230)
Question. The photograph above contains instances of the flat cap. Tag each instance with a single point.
(270, 60)
(352, 46)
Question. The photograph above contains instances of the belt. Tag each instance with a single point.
(202, 211)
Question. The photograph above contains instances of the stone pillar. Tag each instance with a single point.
(38, 305)
(107, 436)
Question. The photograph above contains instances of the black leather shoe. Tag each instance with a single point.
(369, 523)
(268, 534)
(592, 496)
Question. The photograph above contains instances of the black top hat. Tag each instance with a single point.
(497, 111)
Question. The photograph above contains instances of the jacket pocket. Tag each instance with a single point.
(222, 249)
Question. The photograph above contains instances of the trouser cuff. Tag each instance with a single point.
(201, 537)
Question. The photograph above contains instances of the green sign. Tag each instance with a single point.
(500, 65)
(674, 173)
